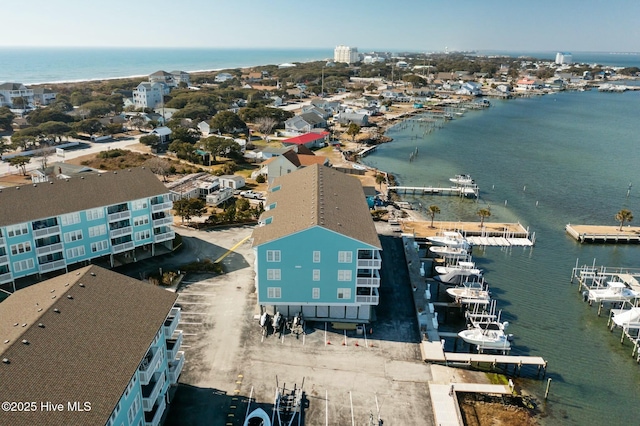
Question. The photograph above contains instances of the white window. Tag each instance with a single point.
(99, 246)
(94, 214)
(273, 274)
(70, 219)
(133, 411)
(21, 248)
(140, 220)
(316, 274)
(316, 257)
(23, 265)
(139, 204)
(72, 236)
(344, 275)
(315, 293)
(15, 230)
(344, 293)
(96, 231)
(143, 235)
(75, 252)
(274, 292)
(273, 255)
(345, 257)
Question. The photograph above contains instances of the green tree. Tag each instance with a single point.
(19, 102)
(353, 131)
(432, 211)
(43, 115)
(97, 108)
(6, 118)
(150, 140)
(218, 146)
(4, 145)
(185, 134)
(623, 216)
(20, 162)
(54, 129)
(227, 122)
(90, 126)
(380, 179)
(189, 207)
(183, 150)
(483, 213)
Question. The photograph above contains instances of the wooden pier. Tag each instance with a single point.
(490, 234)
(461, 191)
(604, 234)
(434, 352)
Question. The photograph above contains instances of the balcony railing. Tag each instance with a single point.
(52, 266)
(176, 368)
(119, 216)
(156, 416)
(152, 390)
(171, 323)
(38, 233)
(163, 221)
(119, 248)
(369, 263)
(5, 278)
(122, 231)
(372, 299)
(155, 208)
(51, 248)
(368, 282)
(4, 259)
(148, 367)
(164, 237)
(173, 346)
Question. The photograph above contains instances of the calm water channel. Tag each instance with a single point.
(545, 162)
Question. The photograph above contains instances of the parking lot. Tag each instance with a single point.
(346, 376)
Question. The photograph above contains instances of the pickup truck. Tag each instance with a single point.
(251, 194)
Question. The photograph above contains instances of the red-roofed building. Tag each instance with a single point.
(310, 140)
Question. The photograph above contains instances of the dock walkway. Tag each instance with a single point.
(469, 190)
(604, 234)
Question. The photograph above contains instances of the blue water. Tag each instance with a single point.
(47, 65)
(556, 159)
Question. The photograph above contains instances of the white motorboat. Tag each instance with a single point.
(627, 318)
(462, 180)
(451, 253)
(451, 239)
(257, 417)
(614, 291)
(471, 292)
(456, 274)
(490, 337)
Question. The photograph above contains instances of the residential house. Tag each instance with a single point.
(310, 140)
(232, 181)
(204, 128)
(470, 88)
(164, 133)
(43, 96)
(296, 156)
(304, 123)
(346, 118)
(148, 95)
(277, 101)
(271, 151)
(10, 91)
(220, 196)
(181, 77)
(105, 345)
(119, 216)
(324, 113)
(526, 84)
(316, 248)
(221, 77)
(195, 185)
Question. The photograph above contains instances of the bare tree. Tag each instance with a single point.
(159, 166)
(266, 124)
(43, 156)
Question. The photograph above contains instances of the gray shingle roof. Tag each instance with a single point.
(31, 202)
(88, 351)
(317, 196)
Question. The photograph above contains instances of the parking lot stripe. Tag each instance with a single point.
(232, 249)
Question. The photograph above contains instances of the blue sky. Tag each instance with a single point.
(419, 25)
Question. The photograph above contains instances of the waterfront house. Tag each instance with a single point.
(181, 77)
(148, 95)
(526, 84)
(117, 217)
(304, 123)
(316, 248)
(346, 118)
(43, 96)
(104, 345)
(9, 92)
(163, 77)
(222, 77)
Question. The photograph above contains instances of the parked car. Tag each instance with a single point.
(251, 194)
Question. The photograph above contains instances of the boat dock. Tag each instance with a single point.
(591, 277)
(431, 346)
(461, 191)
(434, 352)
(491, 234)
(604, 234)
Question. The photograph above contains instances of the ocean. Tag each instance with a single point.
(49, 65)
(544, 162)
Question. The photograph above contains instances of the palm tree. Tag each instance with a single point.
(623, 216)
(380, 179)
(432, 211)
(483, 213)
